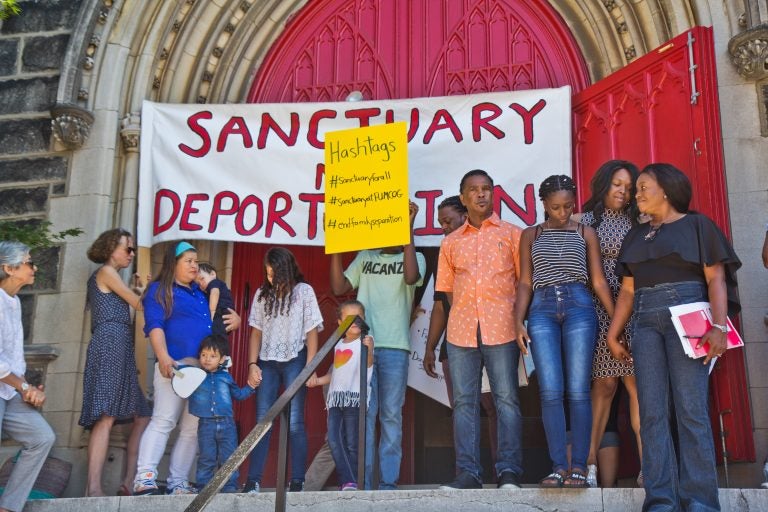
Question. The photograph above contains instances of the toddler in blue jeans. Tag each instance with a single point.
(212, 404)
(343, 401)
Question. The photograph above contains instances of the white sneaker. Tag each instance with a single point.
(181, 488)
(592, 475)
(145, 484)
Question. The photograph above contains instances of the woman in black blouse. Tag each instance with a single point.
(679, 257)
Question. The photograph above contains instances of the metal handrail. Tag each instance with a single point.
(261, 428)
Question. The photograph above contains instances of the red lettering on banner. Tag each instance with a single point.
(413, 124)
(479, 122)
(275, 216)
(267, 123)
(175, 206)
(193, 123)
(448, 122)
(235, 125)
(314, 126)
(313, 200)
(189, 209)
(429, 212)
(240, 219)
(319, 173)
(364, 115)
(528, 116)
(217, 210)
(527, 215)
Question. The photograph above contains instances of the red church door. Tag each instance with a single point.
(663, 108)
(396, 49)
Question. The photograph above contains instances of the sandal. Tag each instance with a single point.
(123, 491)
(553, 480)
(576, 480)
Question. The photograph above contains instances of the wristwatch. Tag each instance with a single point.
(25, 387)
(723, 328)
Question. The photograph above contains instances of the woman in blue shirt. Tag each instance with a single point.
(176, 319)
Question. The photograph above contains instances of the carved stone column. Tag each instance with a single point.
(71, 125)
(749, 53)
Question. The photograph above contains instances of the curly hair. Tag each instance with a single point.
(103, 247)
(286, 274)
(453, 202)
(601, 185)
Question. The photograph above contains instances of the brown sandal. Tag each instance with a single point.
(576, 480)
(553, 480)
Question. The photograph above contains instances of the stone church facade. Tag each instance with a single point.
(74, 73)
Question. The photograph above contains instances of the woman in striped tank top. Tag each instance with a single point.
(559, 258)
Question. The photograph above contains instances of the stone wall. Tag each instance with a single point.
(32, 47)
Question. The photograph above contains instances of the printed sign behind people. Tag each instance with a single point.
(366, 188)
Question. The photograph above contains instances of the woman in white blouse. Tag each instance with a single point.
(285, 319)
(19, 417)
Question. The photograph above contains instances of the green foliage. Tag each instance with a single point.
(9, 8)
(35, 234)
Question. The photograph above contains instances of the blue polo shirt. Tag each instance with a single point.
(188, 323)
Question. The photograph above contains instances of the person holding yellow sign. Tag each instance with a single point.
(385, 280)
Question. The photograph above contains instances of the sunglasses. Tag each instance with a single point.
(30, 264)
(130, 250)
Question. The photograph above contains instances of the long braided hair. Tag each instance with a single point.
(286, 274)
(555, 183)
(600, 185)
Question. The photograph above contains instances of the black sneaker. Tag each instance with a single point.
(463, 481)
(296, 486)
(508, 480)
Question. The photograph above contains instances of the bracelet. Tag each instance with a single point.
(723, 328)
(252, 362)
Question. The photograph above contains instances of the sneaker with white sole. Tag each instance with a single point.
(182, 487)
(251, 487)
(145, 484)
(592, 475)
(349, 486)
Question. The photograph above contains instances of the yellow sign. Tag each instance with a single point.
(366, 188)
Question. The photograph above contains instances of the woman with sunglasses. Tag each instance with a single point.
(678, 257)
(19, 418)
(111, 389)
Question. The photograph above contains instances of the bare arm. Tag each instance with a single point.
(524, 288)
(311, 344)
(410, 265)
(368, 342)
(340, 285)
(437, 323)
(213, 300)
(718, 302)
(596, 274)
(254, 347)
(621, 314)
(109, 278)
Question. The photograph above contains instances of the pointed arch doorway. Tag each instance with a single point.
(404, 49)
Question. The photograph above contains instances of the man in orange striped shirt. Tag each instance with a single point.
(478, 270)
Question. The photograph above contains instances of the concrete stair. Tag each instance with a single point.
(411, 500)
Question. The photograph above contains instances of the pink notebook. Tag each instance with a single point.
(692, 321)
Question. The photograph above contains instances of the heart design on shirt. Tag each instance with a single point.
(341, 357)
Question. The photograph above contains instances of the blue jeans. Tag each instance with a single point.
(343, 439)
(500, 362)
(388, 383)
(217, 440)
(667, 377)
(273, 374)
(562, 324)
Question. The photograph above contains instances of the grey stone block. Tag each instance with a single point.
(8, 49)
(23, 201)
(27, 312)
(33, 169)
(30, 95)
(26, 136)
(42, 15)
(44, 53)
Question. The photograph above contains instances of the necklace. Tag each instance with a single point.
(561, 239)
(652, 232)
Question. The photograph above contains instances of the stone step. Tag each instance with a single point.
(410, 500)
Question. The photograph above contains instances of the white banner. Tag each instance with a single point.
(254, 172)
